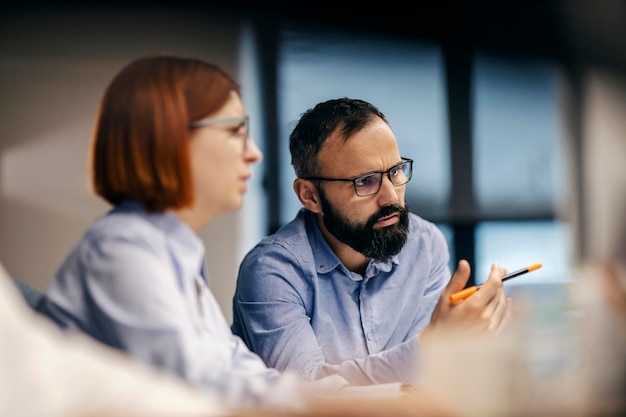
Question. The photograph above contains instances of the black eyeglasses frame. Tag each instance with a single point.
(354, 179)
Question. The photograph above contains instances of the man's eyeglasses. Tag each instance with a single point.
(370, 183)
(240, 129)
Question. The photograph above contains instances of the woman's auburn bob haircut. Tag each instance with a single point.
(140, 147)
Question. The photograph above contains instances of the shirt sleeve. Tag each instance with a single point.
(439, 274)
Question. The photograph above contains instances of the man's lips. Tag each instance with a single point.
(388, 220)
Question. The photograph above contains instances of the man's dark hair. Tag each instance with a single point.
(318, 123)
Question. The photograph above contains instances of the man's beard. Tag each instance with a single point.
(379, 244)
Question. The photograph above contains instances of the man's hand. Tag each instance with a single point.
(486, 311)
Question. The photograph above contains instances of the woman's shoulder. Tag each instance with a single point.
(124, 225)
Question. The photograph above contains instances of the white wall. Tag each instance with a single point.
(54, 68)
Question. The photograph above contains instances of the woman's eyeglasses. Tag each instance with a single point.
(240, 129)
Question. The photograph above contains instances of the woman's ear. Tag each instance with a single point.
(307, 194)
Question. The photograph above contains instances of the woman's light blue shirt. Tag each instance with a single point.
(137, 282)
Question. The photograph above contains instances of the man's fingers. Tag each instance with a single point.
(492, 286)
(496, 273)
(507, 318)
(459, 279)
(496, 310)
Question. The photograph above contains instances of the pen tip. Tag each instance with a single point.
(535, 266)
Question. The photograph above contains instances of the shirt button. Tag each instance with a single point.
(369, 336)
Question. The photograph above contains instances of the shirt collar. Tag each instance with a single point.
(182, 240)
(325, 258)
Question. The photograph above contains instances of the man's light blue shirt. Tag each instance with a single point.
(136, 281)
(300, 308)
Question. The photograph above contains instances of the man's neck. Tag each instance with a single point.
(353, 260)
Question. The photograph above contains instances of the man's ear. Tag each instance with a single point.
(307, 194)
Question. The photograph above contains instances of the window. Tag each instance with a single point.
(519, 169)
(515, 245)
(518, 157)
(517, 162)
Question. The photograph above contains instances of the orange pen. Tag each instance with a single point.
(463, 294)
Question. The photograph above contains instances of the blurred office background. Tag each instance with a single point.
(514, 115)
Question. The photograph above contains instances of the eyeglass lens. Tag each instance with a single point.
(244, 133)
(370, 184)
(241, 130)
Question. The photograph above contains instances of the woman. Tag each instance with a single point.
(171, 152)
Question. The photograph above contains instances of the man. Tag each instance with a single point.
(356, 282)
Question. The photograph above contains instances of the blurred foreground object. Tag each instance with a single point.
(565, 354)
(47, 373)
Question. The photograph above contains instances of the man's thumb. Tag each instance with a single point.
(460, 277)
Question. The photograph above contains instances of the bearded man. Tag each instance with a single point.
(356, 281)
